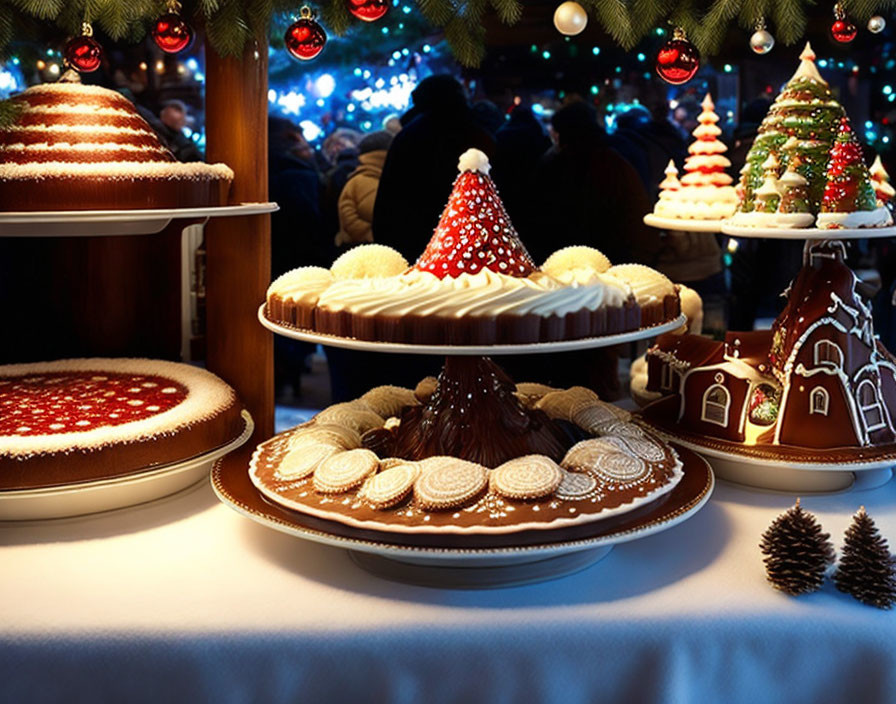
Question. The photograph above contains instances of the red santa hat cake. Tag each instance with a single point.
(475, 231)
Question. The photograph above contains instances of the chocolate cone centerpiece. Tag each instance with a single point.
(474, 415)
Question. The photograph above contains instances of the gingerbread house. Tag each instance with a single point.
(818, 379)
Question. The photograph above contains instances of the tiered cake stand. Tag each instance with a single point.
(475, 561)
(80, 498)
(813, 471)
(98, 223)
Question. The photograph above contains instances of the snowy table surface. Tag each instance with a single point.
(184, 600)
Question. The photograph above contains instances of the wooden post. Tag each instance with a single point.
(238, 250)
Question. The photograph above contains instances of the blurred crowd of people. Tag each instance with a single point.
(572, 183)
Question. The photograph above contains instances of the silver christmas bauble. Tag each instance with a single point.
(762, 41)
(876, 24)
(570, 18)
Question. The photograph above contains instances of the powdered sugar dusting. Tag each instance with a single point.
(88, 403)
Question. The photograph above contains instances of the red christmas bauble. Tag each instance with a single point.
(843, 31)
(677, 61)
(84, 54)
(171, 34)
(368, 10)
(305, 39)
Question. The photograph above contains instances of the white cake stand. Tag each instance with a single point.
(350, 343)
(791, 477)
(807, 233)
(682, 224)
(101, 223)
(455, 567)
(106, 494)
(467, 567)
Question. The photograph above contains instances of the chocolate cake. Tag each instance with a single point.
(85, 419)
(474, 284)
(477, 456)
(79, 147)
(819, 382)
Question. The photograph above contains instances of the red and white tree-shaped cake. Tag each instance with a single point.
(475, 231)
(880, 179)
(706, 192)
(849, 199)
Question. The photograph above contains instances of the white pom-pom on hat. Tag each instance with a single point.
(473, 160)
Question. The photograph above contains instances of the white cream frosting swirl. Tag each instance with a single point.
(483, 294)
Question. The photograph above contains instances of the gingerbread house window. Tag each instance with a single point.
(716, 402)
(668, 378)
(819, 400)
(870, 407)
(827, 353)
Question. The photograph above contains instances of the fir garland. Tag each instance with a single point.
(230, 24)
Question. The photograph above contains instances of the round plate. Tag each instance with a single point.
(808, 233)
(505, 563)
(682, 224)
(97, 223)
(786, 475)
(107, 494)
(585, 343)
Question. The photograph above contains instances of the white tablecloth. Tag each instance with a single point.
(184, 600)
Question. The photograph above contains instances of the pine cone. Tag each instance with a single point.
(796, 551)
(867, 570)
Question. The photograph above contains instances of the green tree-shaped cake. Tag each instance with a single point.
(806, 111)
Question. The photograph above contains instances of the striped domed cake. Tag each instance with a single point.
(79, 147)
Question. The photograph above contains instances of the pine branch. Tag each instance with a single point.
(751, 11)
(439, 12)
(10, 111)
(614, 16)
(687, 16)
(227, 30)
(42, 9)
(336, 17)
(645, 14)
(790, 20)
(508, 11)
(465, 40)
(711, 32)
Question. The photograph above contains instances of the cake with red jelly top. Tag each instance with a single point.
(80, 147)
(474, 283)
(84, 419)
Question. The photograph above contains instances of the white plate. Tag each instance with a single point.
(808, 233)
(585, 343)
(464, 567)
(682, 224)
(97, 223)
(815, 477)
(107, 494)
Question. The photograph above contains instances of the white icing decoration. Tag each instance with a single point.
(473, 160)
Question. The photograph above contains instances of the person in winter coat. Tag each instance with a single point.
(359, 195)
(422, 164)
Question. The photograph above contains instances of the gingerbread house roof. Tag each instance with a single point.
(750, 347)
(688, 351)
(823, 285)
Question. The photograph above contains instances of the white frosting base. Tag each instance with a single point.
(785, 220)
(879, 217)
(483, 294)
(207, 396)
(304, 284)
(648, 284)
(118, 170)
(697, 203)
